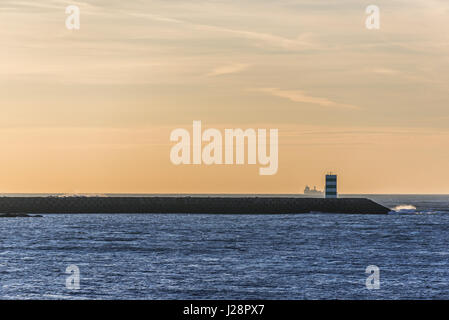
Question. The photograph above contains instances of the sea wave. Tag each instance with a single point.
(411, 209)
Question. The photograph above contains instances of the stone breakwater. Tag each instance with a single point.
(189, 204)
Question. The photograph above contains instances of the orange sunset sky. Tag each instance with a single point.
(91, 110)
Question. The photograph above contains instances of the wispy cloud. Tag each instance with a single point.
(301, 42)
(302, 97)
(45, 5)
(385, 71)
(298, 43)
(411, 76)
(155, 17)
(228, 69)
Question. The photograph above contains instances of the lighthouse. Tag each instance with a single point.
(331, 185)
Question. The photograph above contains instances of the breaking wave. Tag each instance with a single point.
(411, 209)
(405, 208)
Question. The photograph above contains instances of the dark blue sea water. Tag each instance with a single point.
(319, 256)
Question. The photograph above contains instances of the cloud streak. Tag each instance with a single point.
(299, 43)
(228, 69)
(302, 97)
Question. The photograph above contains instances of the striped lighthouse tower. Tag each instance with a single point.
(331, 185)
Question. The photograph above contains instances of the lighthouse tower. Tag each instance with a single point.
(331, 185)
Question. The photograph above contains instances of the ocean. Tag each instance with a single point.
(180, 256)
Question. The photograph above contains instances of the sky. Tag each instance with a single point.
(91, 110)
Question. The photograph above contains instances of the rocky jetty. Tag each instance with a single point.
(190, 204)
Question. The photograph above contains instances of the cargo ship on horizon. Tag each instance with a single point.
(312, 192)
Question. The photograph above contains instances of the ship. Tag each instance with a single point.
(313, 191)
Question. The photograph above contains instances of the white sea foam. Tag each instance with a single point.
(410, 209)
(406, 208)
